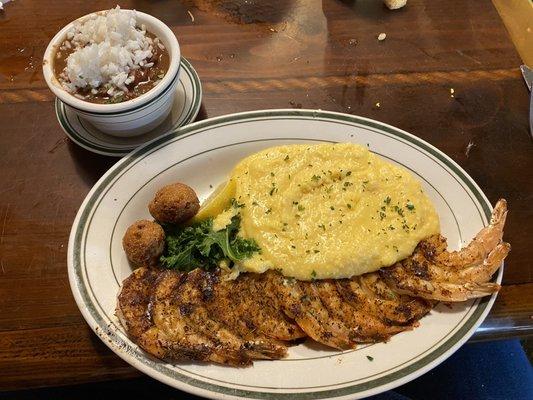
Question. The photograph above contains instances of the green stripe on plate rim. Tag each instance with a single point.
(191, 113)
(148, 364)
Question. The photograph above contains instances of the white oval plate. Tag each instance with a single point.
(187, 102)
(202, 154)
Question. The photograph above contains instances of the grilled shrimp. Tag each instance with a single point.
(481, 246)
(343, 313)
(435, 274)
(198, 316)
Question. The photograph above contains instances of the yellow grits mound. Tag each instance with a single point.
(326, 211)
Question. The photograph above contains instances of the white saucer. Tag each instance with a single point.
(187, 101)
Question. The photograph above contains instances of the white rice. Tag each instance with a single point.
(108, 49)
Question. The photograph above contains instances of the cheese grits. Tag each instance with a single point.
(325, 211)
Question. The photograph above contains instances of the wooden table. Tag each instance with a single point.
(254, 55)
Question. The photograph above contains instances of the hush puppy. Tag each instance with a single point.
(144, 242)
(174, 204)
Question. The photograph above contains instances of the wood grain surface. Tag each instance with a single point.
(254, 55)
(517, 15)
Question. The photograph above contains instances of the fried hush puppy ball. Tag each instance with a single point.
(174, 204)
(144, 242)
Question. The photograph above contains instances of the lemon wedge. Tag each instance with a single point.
(217, 202)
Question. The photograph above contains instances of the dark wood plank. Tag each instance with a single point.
(511, 316)
(57, 356)
(255, 55)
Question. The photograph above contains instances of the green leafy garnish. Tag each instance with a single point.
(198, 246)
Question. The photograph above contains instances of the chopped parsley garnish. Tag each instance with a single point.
(410, 206)
(370, 358)
(315, 178)
(313, 274)
(116, 99)
(387, 200)
(198, 245)
(286, 158)
(236, 204)
(300, 207)
(399, 210)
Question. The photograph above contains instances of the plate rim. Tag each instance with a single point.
(202, 388)
(197, 94)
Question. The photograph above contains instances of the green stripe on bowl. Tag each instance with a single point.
(190, 115)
